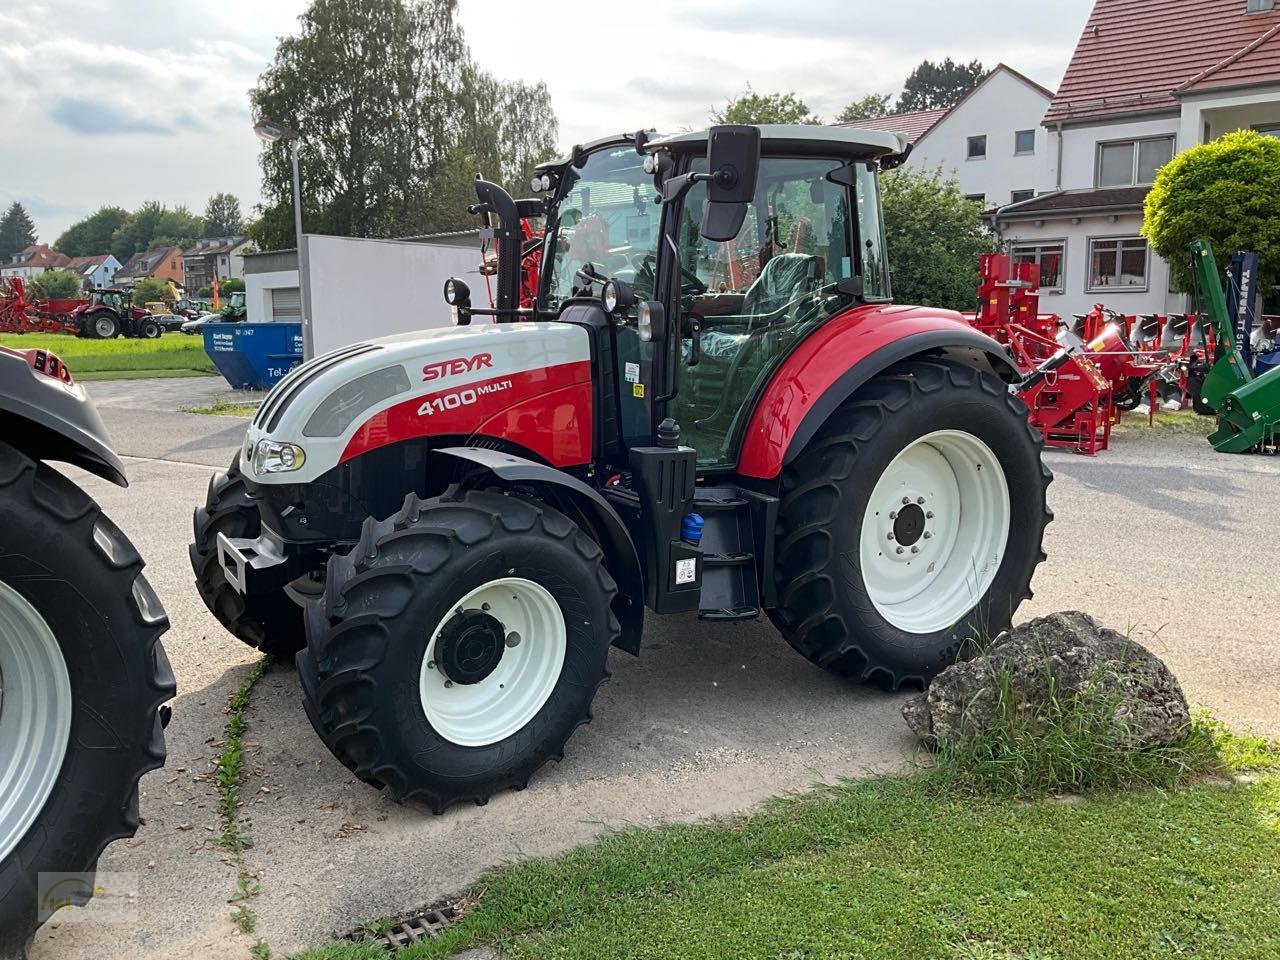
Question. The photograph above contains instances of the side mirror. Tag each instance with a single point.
(733, 162)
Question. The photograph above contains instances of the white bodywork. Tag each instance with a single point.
(432, 361)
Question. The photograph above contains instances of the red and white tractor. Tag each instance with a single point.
(712, 408)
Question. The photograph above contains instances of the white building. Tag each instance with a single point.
(99, 271)
(1149, 78)
(991, 141)
(34, 260)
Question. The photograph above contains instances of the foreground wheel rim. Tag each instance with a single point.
(935, 531)
(504, 644)
(104, 328)
(35, 715)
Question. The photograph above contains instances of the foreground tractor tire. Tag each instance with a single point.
(910, 527)
(103, 325)
(270, 622)
(82, 679)
(458, 646)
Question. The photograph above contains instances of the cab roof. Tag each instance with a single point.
(802, 138)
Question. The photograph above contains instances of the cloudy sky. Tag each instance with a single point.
(122, 101)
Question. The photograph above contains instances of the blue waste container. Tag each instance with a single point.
(253, 355)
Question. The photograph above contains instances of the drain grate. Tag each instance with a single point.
(423, 924)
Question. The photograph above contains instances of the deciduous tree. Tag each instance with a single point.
(150, 290)
(153, 224)
(934, 237)
(92, 235)
(934, 85)
(1227, 192)
(222, 216)
(872, 105)
(752, 107)
(57, 285)
(17, 232)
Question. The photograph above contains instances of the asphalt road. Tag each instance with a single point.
(1159, 535)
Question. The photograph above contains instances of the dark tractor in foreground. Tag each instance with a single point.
(83, 676)
(711, 408)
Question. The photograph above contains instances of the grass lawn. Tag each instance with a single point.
(1182, 421)
(909, 867)
(225, 408)
(172, 355)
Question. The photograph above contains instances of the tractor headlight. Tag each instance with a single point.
(616, 295)
(456, 292)
(271, 456)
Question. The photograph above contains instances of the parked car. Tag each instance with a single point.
(169, 321)
(194, 325)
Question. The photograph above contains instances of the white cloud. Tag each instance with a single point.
(125, 102)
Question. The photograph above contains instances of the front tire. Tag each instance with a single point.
(270, 622)
(83, 677)
(458, 646)
(891, 590)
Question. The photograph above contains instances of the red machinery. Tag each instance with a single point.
(20, 315)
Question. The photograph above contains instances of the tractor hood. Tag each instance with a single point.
(456, 382)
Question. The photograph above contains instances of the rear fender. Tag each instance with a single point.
(49, 419)
(587, 508)
(840, 357)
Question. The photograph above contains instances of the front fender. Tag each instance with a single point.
(587, 507)
(49, 419)
(838, 358)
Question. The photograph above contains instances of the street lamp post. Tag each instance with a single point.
(270, 131)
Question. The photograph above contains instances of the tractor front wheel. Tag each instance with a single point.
(458, 646)
(911, 526)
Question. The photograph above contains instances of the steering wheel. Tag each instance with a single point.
(692, 285)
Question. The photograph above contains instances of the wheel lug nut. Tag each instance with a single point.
(893, 514)
(928, 535)
(513, 639)
(448, 683)
(920, 500)
(928, 514)
(915, 549)
(905, 501)
(899, 549)
(890, 537)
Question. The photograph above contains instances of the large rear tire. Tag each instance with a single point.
(911, 525)
(82, 679)
(270, 622)
(458, 646)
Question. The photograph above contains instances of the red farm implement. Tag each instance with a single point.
(1081, 376)
(20, 315)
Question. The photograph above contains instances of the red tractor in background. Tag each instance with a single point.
(108, 312)
(710, 406)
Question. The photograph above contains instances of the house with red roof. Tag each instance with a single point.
(34, 260)
(1148, 79)
(990, 141)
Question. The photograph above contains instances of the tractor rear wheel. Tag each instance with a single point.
(271, 622)
(83, 677)
(910, 527)
(458, 646)
(103, 325)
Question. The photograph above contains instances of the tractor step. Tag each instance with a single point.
(730, 565)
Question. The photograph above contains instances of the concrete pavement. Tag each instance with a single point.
(1159, 534)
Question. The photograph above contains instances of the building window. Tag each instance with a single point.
(1259, 6)
(1117, 263)
(1017, 196)
(1051, 257)
(1024, 141)
(1125, 163)
(977, 198)
(978, 147)
(1268, 129)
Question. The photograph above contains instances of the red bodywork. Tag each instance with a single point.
(20, 315)
(817, 363)
(545, 410)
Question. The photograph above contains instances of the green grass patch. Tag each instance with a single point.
(908, 867)
(229, 771)
(1167, 421)
(172, 355)
(225, 408)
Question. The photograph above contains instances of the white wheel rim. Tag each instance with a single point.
(925, 580)
(498, 706)
(105, 327)
(35, 715)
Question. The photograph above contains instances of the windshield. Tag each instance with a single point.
(607, 219)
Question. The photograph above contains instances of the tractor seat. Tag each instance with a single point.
(782, 280)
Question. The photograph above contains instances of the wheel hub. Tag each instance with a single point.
(470, 646)
(909, 524)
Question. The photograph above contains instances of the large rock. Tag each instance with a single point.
(1117, 676)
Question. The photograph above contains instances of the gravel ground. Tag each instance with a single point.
(1159, 534)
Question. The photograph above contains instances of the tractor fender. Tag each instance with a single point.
(838, 358)
(621, 556)
(49, 419)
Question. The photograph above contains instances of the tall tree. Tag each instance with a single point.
(1226, 191)
(872, 105)
(222, 217)
(92, 235)
(752, 107)
(153, 224)
(57, 284)
(17, 232)
(934, 85)
(934, 237)
(386, 97)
